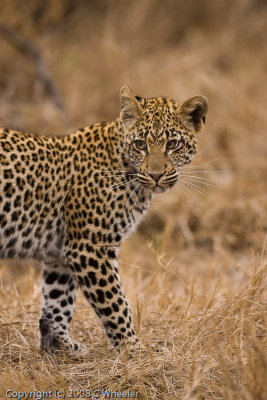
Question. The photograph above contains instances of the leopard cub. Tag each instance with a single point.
(70, 201)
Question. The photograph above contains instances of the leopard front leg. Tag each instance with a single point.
(98, 277)
(58, 300)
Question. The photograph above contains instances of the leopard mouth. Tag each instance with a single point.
(156, 186)
(163, 187)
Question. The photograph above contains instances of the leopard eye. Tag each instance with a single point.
(172, 144)
(140, 145)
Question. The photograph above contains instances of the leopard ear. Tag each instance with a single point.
(193, 112)
(131, 109)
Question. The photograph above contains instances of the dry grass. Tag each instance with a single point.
(194, 272)
(211, 325)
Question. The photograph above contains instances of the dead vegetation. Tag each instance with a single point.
(194, 272)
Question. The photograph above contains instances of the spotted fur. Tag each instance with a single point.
(70, 201)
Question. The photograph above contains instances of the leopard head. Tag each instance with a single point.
(160, 136)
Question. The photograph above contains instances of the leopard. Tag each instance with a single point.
(70, 201)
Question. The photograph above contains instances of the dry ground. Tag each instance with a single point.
(194, 271)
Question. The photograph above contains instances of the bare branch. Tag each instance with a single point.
(29, 49)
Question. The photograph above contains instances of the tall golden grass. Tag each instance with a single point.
(194, 271)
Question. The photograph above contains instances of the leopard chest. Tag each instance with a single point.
(103, 212)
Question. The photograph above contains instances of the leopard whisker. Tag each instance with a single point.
(190, 179)
(197, 177)
(177, 190)
(209, 170)
(135, 189)
(125, 174)
(184, 192)
(182, 185)
(194, 185)
(198, 189)
(124, 183)
(121, 192)
(109, 192)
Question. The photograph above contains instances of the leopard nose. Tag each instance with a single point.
(156, 177)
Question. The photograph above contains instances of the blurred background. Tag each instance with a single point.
(62, 65)
(63, 62)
